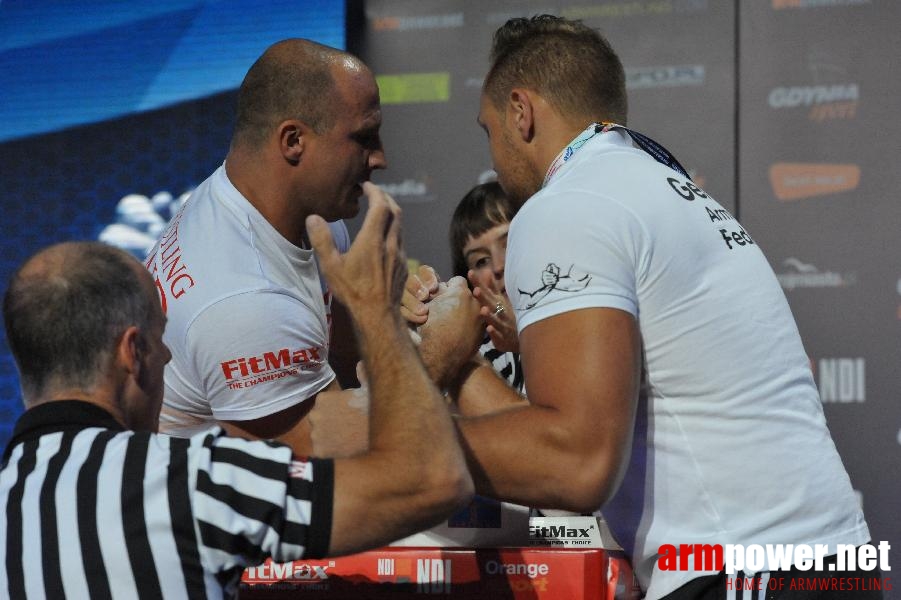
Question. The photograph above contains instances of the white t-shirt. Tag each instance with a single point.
(248, 315)
(731, 444)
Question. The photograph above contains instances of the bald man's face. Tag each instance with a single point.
(345, 156)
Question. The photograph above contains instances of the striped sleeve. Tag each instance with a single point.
(302, 485)
(505, 364)
(253, 501)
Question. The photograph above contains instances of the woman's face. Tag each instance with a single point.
(485, 254)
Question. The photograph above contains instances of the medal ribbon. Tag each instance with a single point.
(655, 150)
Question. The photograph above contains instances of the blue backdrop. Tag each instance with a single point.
(102, 100)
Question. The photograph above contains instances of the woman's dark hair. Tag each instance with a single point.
(483, 207)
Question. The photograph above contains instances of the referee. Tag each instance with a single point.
(95, 504)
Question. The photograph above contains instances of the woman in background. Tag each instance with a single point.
(478, 241)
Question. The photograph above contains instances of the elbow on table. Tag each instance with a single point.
(586, 486)
(445, 489)
(436, 490)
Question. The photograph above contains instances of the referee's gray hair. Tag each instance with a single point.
(65, 310)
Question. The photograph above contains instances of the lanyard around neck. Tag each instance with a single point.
(657, 151)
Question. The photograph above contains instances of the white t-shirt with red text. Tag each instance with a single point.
(248, 314)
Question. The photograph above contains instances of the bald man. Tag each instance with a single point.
(249, 316)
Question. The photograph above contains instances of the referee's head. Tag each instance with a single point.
(83, 322)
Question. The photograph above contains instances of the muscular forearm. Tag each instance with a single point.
(411, 432)
(435, 360)
(482, 391)
(414, 473)
(536, 461)
(451, 336)
(343, 354)
(399, 387)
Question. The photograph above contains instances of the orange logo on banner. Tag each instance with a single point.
(781, 4)
(384, 23)
(794, 181)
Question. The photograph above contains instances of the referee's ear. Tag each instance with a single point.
(129, 352)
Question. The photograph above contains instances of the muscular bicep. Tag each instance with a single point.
(291, 425)
(381, 497)
(340, 422)
(583, 368)
(569, 446)
(369, 509)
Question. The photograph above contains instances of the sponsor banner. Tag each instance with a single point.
(823, 102)
(414, 88)
(513, 573)
(571, 532)
(415, 22)
(664, 76)
(798, 274)
(632, 8)
(306, 573)
(511, 526)
(410, 189)
(796, 181)
(784, 4)
(841, 380)
(497, 19)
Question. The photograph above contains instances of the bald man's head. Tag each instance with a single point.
(65, 309)
(293, 79)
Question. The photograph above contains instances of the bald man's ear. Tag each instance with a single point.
(292, 136)
(521, 110)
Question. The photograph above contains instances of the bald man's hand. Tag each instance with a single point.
(421, 287)
(369, 278)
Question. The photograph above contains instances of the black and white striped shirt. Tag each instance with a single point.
(505, 364)
(88, 510)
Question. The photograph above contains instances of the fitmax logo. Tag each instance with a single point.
(558, 532)
(268, 362)
(290, 571)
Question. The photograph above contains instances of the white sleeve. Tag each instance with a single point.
(258, 353)
(573, 251)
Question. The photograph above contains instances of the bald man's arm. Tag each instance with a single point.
(332, 423)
